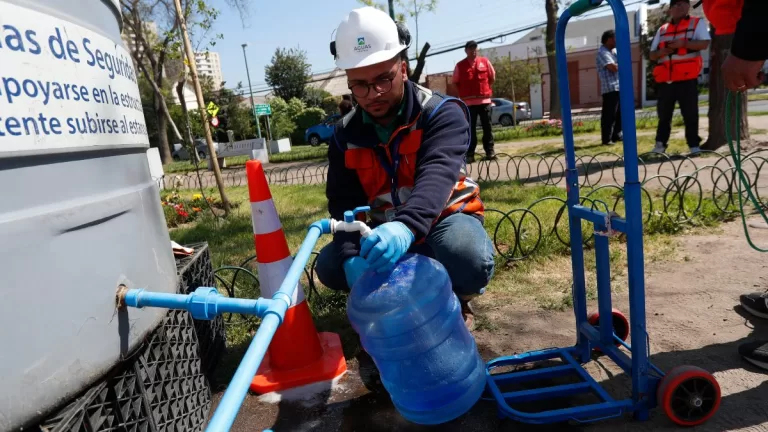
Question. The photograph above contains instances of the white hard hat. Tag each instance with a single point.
(366, 36)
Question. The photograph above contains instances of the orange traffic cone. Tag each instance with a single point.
(297, 355)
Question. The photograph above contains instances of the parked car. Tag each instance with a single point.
(180, 151)
(501, 111)
(320, 133)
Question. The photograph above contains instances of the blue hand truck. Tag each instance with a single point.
(688, 395)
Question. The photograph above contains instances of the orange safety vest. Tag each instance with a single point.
(683, 64)
(384, 194)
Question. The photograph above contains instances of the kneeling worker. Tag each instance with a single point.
(400, 151)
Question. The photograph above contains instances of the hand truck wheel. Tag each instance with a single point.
(689, 395)
(620, 324)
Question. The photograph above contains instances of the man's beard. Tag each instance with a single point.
(391, 112)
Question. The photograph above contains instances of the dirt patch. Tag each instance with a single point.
(692, 319)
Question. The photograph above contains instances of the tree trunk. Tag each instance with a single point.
(416, 17)
(554, 94)
(160, 99)
(720, 48)
(201, 106)
(162, 132)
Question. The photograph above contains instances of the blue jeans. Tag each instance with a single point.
(459, 242)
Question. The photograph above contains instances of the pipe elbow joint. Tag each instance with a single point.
(324, 225)
(354, 226)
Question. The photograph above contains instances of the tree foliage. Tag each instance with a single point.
(314, 96)
(414, 9)
(288, 73)
(156, 51)
(290, 119)
(514, 77)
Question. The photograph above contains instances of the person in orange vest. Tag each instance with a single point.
(474, 77)
(400, 151)
(676, 49)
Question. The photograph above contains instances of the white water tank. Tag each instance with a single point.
(79, 212)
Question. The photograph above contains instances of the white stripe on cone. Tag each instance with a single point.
(271, 275)
(264, 217)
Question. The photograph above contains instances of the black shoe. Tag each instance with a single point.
(609, 143)
(756, 353)
(470, 159)
(617, 138)
(491, 155)
(755, 303)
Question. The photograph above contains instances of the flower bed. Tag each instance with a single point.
(179, 210)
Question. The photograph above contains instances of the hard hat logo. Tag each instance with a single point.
(361, 45)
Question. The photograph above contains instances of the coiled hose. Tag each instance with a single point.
(743, 182)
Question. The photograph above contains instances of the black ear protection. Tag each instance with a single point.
(403, 35)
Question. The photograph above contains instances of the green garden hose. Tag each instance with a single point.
(736, 155)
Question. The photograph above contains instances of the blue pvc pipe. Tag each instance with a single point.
(232, 400)
(203, 303)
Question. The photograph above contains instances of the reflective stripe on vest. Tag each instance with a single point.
(377, 183)
(682, 65)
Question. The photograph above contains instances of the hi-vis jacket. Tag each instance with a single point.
(416, 178)
(683, 64)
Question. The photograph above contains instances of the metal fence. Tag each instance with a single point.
(675, 190)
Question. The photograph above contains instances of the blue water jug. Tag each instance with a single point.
(410, 322)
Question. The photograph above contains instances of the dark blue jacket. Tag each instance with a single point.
(439, 161)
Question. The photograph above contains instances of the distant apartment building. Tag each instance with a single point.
(130, 40)
(209, 63)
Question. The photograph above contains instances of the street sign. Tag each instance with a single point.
(212, 109)
(262, 109)
(215, 121)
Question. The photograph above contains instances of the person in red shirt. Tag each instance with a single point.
(474, 77)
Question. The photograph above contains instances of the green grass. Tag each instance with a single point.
(542, 279)
(751, 97)
(298, 153)
(301, 153)
(593, 147)
(519, 133)
(758, 113)
(757, 97)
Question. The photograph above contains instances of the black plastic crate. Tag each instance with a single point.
(163, 385)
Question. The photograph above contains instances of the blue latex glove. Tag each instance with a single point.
(385, 245)
(353, 269)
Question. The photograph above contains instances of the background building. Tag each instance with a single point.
(582, 41)
(209, 63)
